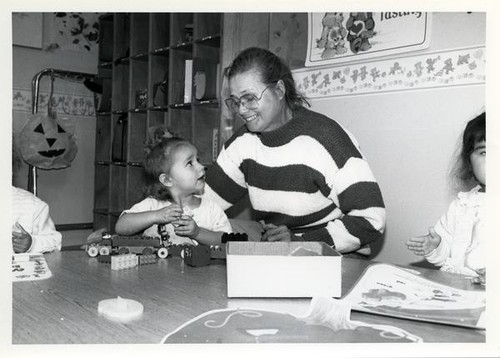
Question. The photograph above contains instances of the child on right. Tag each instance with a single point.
(457, 242)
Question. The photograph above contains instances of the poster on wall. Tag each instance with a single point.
(336, 37)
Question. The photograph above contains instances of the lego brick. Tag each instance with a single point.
(175, 250)
(147, 259)
(136, 241)
(104, 259)
(235, 236)
(218, 251)
(197, 255)
(119, 262)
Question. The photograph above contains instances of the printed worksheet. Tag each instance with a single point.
(29, 267)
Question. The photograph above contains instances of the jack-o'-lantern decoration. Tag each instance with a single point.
(47, 143)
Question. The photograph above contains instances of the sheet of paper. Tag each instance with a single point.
(29, 267)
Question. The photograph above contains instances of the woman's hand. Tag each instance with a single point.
(186, 226)
(168, 214)
(21, 239)
(277, 233)
(424, 245)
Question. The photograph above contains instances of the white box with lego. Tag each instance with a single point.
(283, 269)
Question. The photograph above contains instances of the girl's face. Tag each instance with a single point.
(270, 110)
(478, 162)
(187, 174)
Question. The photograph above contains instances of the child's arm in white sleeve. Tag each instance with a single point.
(44, 235)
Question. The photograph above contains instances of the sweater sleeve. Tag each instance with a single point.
(358, 196)
(355, 192)
(44, 234)
(225, 182)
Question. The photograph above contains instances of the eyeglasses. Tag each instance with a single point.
(249, 101)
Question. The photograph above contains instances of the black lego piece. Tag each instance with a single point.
(235, 236)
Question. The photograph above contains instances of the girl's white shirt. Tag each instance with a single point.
(462, 231)
(208, 216)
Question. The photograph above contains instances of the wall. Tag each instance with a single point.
(409, 138)
(69, 191)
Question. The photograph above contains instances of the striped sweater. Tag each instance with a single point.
(308, 175)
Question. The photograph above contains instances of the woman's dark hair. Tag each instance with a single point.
(271, 68)
(474, 132)
(159, 161)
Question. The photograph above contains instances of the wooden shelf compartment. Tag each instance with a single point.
(118, 188)
(139, 92)
(159, 80)
(103, 133)
(160, 31)
(120, 88)
(180, 123)
(136, 185)
(139, 34)
(101, 187)
(121, 37)
(137, 132)
(206, 133)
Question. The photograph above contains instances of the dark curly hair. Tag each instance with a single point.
(159, 161)
(475, 132)
(271, 69)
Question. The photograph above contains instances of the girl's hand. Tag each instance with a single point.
(21, 239)
(186, 226)
(481, 279)
(277, 233)
(423, 245)
(168, 214)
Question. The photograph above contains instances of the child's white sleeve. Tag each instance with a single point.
(147, 204)
(44, 234)
(444, 228)
(219, 219)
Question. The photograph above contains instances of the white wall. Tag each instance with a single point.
(69, 192)
(409, 138)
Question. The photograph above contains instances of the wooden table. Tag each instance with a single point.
(63, 308)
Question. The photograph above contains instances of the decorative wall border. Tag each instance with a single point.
(432, 70)
(63, 103)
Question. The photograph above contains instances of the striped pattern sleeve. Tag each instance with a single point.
(225, 182)
(354, 190)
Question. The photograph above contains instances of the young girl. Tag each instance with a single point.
(457, 242)
(175, 182)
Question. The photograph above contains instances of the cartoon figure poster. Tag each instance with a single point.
(336, 37)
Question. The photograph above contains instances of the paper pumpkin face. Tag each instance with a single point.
(47, 143)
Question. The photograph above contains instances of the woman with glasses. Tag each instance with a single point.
(304, 174)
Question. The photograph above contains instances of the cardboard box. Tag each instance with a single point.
(283, 269)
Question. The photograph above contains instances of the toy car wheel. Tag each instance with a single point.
(162, 252)
(93, 251)
(147, 251)
(182, 254)
(122, 251)
(104, 251)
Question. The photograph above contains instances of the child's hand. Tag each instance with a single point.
(186, 226)
(21, 239)
(481, 279)
(277, 233)
(168, 214)
(424, 245)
